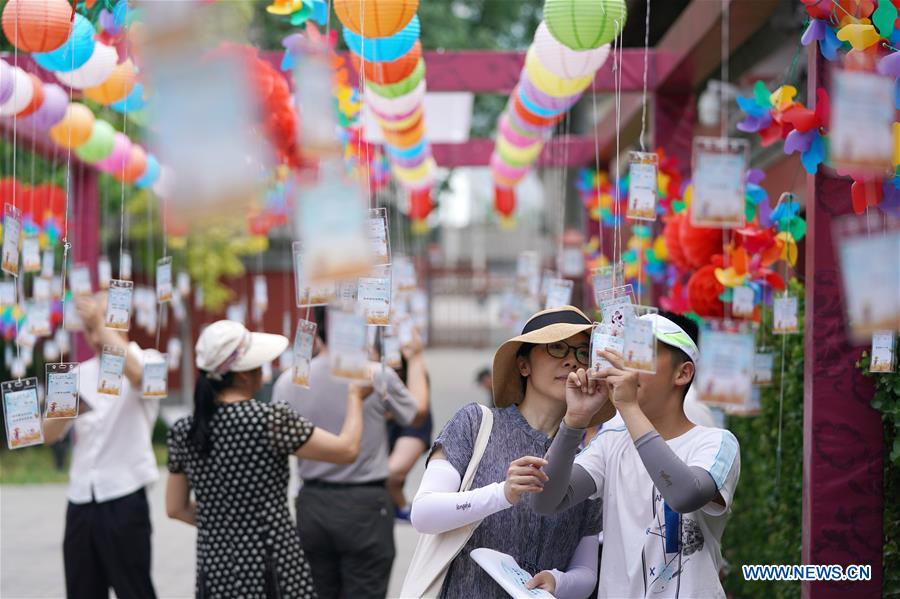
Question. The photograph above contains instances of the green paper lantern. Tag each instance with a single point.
(99, 145)
(585, 24)
(402, 87)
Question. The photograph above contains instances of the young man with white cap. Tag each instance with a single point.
(666, 484)
(108, 529)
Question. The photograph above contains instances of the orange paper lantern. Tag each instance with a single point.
(116, 87)
(135, 167)
(375, 19)
(387, 73)
(75, 128)
(37, 97)
(37, 25)
(407, 137)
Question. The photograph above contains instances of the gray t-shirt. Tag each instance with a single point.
(536, 542)
(325, 405)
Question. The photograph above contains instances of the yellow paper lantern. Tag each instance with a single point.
(75, 127)
(116, 87)
(552, 84)
(375, 19)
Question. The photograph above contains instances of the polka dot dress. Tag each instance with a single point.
(242, 505)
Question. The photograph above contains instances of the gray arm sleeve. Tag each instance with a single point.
(685, 488)
(567, 486)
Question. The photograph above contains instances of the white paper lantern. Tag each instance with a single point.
(23, 92)
(397, 106)
(563, 61)
(95, 71)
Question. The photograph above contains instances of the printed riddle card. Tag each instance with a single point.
(303, 348)
(607, 277)
(559, 293)
(642, 185)
(80, 280)
(604, 336)
(528, 273)
(785, 311)
(640, 340)
(861, 133)
(31, 254)
(12, 230)
(112, 366)
(505, 570)
(742, 302)
(725, 375)
(616, 305)
(118, 305)
(347, 344)
(48, 263)
(374, 296)
(62, 390)
(883, 352)
(164, 279)
(155, 381)
(763, 367)
(720, 165)
(377, 233)
(306, 294)
(22, 413)
(104, 272)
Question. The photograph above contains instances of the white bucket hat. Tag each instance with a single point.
(227, 346)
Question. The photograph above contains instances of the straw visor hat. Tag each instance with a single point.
(556, 324)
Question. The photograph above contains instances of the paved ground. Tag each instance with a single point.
(32, 518)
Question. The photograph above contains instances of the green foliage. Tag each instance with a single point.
(887, 401)
(765, 526)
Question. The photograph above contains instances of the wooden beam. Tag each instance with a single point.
(566, 150)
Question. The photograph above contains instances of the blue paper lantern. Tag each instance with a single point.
(132, 102)
(384, 49)
(74, 53)
(406, 153)
(151, 173)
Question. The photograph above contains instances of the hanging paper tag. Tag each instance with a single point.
(72, 320)
(173, 353)
(80, 280)
(61, 337)
(164, 279)
(883, 352)
(785, 320)
(184, 283)
(266, 372)
(603, 337)
(51, 351)
(607, 277)
(763, 368)
(405, 273)
(38, 318)
(125, 267)
(393, 358)
(118, 305)
(720, 165)
(347, 345)
(48, 262)
(40, 289)
(860, 132)
(640, 340)
(112, 366)
(313, 81)
(12, 230)
(317, 294)
(374, 296)
(7, 293)
(377, 233)
(303, 348)
(104, 272)
(22, 412)
(642, 185)
(742, 302)
(31, 254)
(155, 380)
(725, 375)
(405, 328)
(236, 312)
(62, 390)
(571, 261)
(559, 293)
(528, 273)
(546, 278)
(260, 294)
(751, 407)
(616, 305)
(56, 287)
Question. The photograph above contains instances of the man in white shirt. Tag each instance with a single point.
(666, 483)
(107, 538)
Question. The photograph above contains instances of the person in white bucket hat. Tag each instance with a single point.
(232, 452)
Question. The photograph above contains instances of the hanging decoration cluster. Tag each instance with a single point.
(383, 38)
(568, 48)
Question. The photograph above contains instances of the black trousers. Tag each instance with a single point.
(347, 534)
(108, 545)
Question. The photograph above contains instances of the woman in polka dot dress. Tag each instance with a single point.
(233, 454)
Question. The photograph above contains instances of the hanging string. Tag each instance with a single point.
(646, 63)
(15, 192)
(780, 417)
(617, 84)
(724, 74)
(65, 239)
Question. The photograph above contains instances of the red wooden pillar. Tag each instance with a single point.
(843, 448)
(84, 232)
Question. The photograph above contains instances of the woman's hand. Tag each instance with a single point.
(524, 475)
(584, 398)
(543, 580)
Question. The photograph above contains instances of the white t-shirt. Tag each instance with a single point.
(112, 454)
(636, 560)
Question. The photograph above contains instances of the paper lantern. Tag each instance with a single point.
(375, 19)
(585, 24)
(504, 201)
(75, 128)
(703, 292)
(133, 102)
(549, 83)
(37, 97)
(37, 25)
(420, 204)
(533, 107)
(407, 153)
(513, 136)
(94, 72)
(531, 118)
(52, 110)
(417, 174)
(6, 81)
(23, 91)
(515, 156)
(99, 145)
(116, 87)
(699, 244)
(402, 87)
(116, 160)
(672, 236)
(410, 163)
(396, 106)
(151, 173)
(406, 137)
(386, 73)
(135, 165)
(405, 122)
(383, 49)
(76, 50)
(559, 104)
(563, 61)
